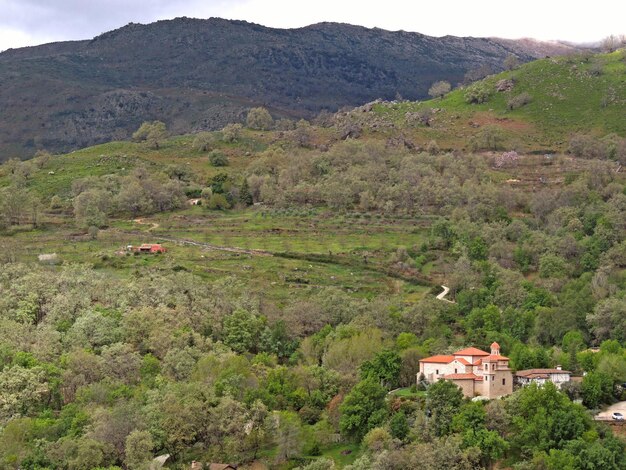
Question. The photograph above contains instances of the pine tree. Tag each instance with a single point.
(245, 196)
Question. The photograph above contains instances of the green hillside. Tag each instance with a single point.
(566, 95)
(283, 326)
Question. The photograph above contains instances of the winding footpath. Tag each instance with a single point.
(443, 295)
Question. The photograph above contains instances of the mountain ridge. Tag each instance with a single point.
(199, 74)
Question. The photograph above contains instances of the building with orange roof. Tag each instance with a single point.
(476, 372)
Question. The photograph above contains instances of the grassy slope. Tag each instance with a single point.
(567, 97)
(323, 249)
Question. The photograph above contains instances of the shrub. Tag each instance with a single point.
(203, 141)
(231, 132)
(507, 159)
(477, 93)
(218, 202)
(217, 158)
(152, 133)
(432, 148)
(586, 146)
(439, 89)
(259, 119)
(489, 138)
(519, 100)
(505, 84)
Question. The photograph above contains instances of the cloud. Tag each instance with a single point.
(541, 19)
(27, 22)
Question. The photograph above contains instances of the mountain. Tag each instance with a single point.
(201, 74)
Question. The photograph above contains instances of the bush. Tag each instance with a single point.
(259, 119)
(432, 148)
(203, 141)
(439, 89)
(587, 146)
(477, 93)
(218, 202)
(489, 138)
(231, 132)
(152, 133)
(518, 101)
(217, 158)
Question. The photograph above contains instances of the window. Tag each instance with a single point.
(486, 366)
(437, 371)
(503, 381)
(455, 371)
(493, 366)
(493, 377)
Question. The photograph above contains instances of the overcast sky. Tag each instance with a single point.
(30, 22)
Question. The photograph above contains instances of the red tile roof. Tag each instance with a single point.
(465, 362)
(441, 359)
(462, 377)
(493, 357)
(471, 352)
(540, 373)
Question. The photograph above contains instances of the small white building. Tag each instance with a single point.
(557, 376)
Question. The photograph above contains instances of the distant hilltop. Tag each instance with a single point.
(201, 74)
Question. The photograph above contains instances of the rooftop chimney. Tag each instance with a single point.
(558, 367)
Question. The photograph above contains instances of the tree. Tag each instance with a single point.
(231, 132)
(439, 89)
(399, 425)
(257, 433)
(152, 133)
(91, 208)
(511, 62)
(241, 330)
(138, 450)
(489, 137)
(259, 119)
(377, 439)
(133, 198)
(383, 367)
(288, 435)
(544, 418)
(597, 388)
(18, 206)
(611, 43)
(245, 196)
(608, 319)
(22, 391)
(363, 408)
(203, 141)
(218, 202)
(443, 401)
(471, 423)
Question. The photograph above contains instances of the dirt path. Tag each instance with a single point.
(209, 246)
(185, 241)
(616, 407)
(443, 294)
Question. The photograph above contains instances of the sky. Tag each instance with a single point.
(32, 22)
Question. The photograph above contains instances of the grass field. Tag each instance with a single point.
(305, 252)
(568, 95)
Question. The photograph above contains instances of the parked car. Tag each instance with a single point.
(617, 416)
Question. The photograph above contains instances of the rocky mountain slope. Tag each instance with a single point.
(200, 74)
